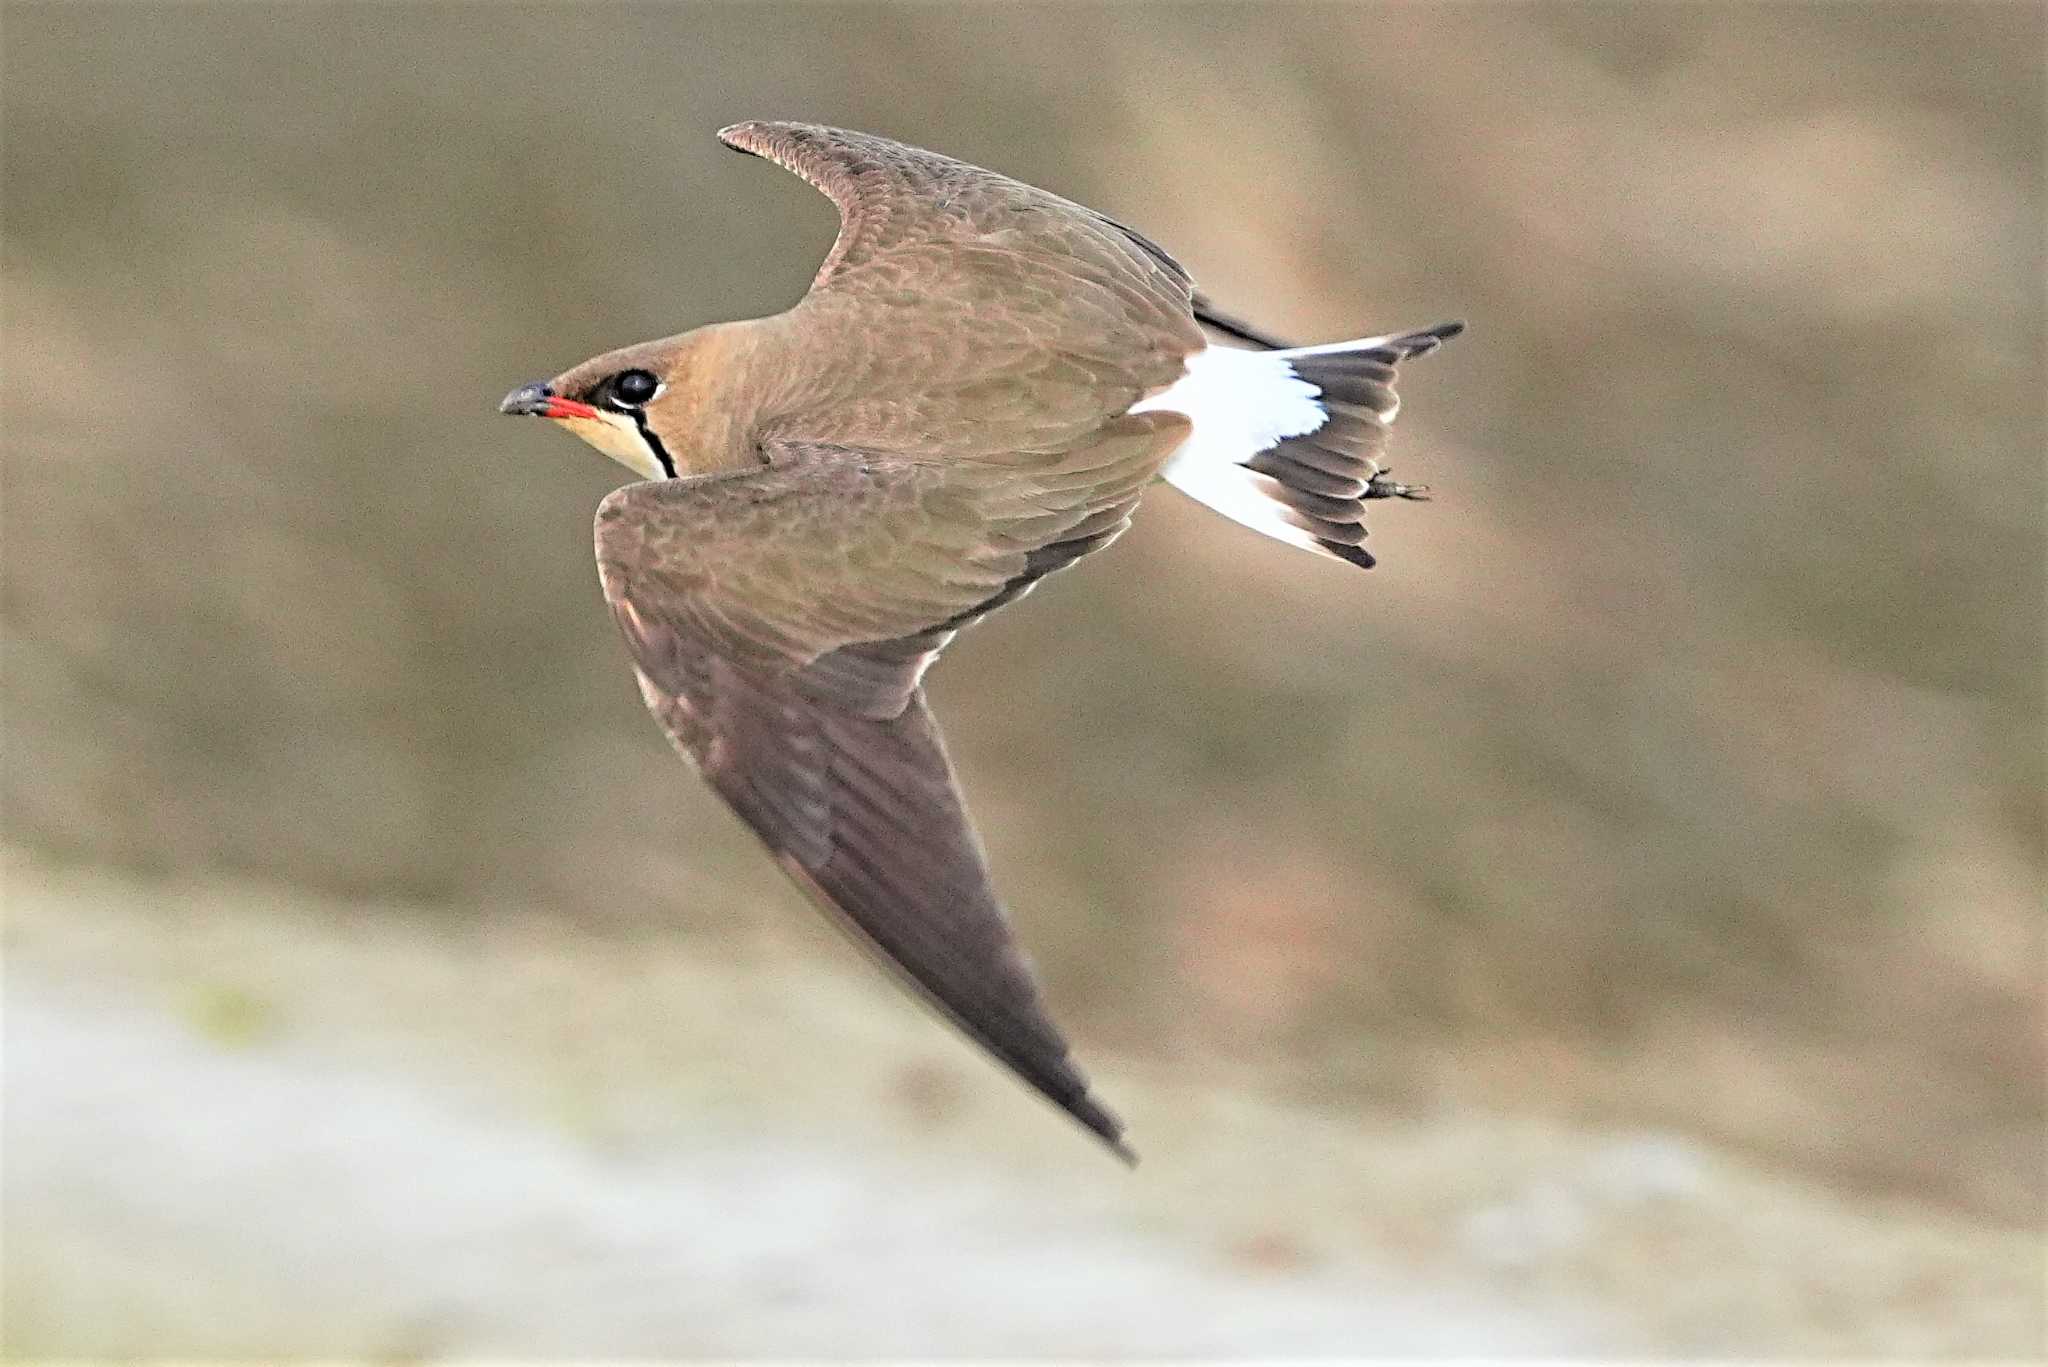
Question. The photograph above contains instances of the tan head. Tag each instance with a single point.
(632, 404)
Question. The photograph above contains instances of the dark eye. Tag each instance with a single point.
(634, 387)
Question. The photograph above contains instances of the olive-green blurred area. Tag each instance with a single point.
(1681, 763)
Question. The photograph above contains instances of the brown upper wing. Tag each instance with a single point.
(962, 315)
(893, 197)
(780, 620)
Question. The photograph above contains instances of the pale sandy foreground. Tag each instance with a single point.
(241, 1122)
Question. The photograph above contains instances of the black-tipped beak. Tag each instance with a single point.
(538, 401)
(527, 401)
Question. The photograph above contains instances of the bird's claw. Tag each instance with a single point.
(1383, 485)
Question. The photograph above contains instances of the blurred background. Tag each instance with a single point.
(1642, 954)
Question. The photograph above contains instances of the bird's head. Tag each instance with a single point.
(621, 402)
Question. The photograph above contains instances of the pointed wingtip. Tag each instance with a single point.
(742, 136)
(1112, 1137)
(1104, 1124)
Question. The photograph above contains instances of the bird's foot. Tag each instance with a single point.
(1383, 485)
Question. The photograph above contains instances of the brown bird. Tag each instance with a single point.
(978, 386)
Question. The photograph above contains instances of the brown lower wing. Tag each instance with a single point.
(864, 814)
(780, 620)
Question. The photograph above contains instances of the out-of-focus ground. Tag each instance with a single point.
(1676, 781)
(263, 1124)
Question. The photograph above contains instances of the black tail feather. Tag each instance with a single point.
(1323, 479)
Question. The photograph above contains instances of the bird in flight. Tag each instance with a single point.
(981, 381)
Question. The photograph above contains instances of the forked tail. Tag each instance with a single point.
(1288, 442)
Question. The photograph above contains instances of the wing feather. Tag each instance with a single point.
(781, 620)
(894, 199)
